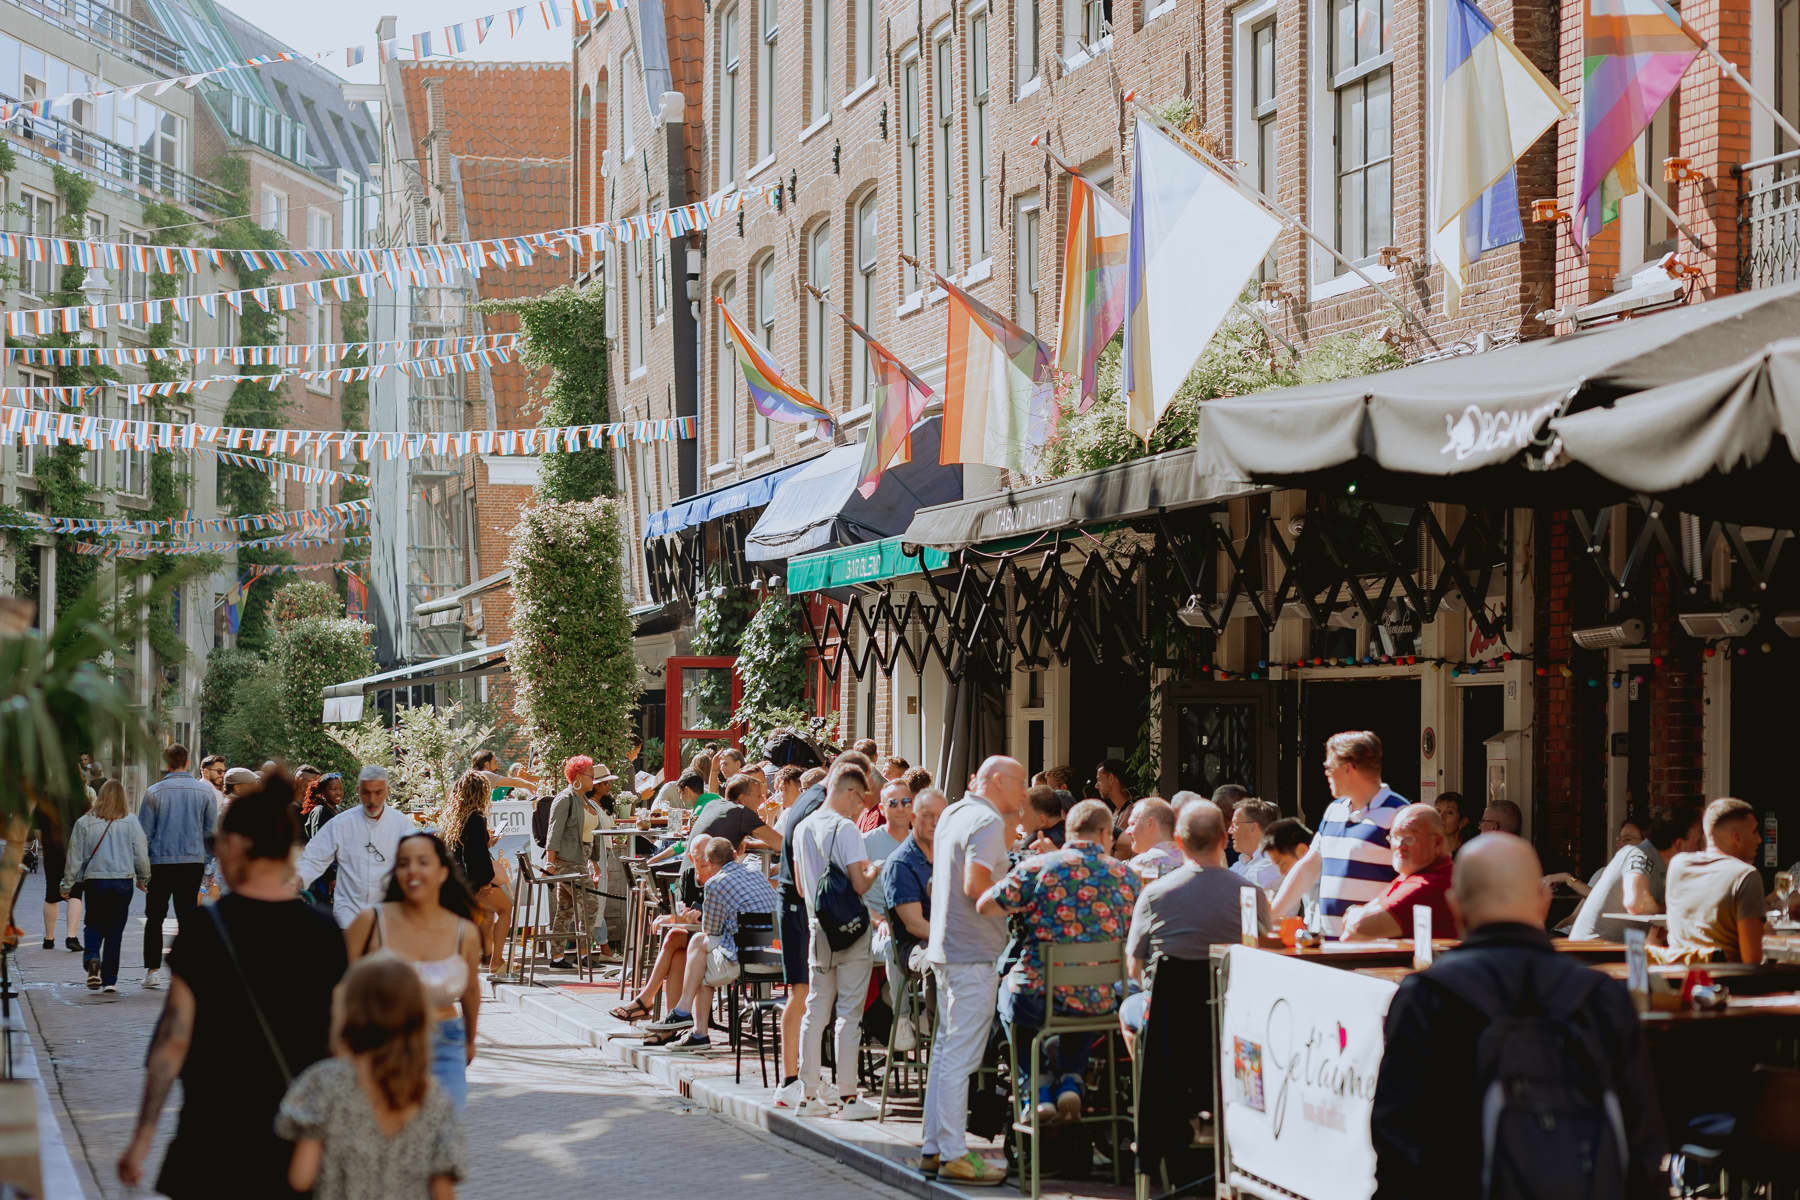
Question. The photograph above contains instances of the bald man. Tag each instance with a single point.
(1427, 1120)
(1421, 877)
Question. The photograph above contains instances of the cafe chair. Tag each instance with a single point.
(534, 911)
(1754, 1153)
(759, 970)
(907, 1064)
(1174, 1076)
(1069, 964)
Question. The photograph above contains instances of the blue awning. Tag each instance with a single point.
(820, 506)
(707, 506)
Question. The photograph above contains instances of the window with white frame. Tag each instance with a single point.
(1255, 80)
(765, 80)
(37, 215)
(765, 333)
(273, 213)
(911, 186)
(659, 276)
(863, 18)
(1085, 24)
(1360, 85)
(943, 116)
(818, 274)
(818, 57)
(1025, 43)
(318, 229)
(862, 301)
(133, 285)
(318, 333)
(632, 289)
(728, 97)
(980, 244)
(25, 458)
(94, 457)
(131, 466)
(1028, 212)
(725, 392)
(631, 86)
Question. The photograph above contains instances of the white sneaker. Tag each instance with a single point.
(828, 1092)
(858, 1110)
(790, 1095)
(906, 1038)
(111, 987)
(814, 1107)
(153, 979)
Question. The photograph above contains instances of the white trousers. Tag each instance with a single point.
(965, 998)
(840, 980)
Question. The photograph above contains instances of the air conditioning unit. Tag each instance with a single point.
(1629, 632)
(1788, 623)
(1735, 622)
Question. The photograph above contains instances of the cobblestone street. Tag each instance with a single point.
(543, 1112)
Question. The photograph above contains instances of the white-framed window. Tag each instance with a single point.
(133, 285)
(1025, 43)
(318, 333)
(37, 216)
(912, 189)
(25, 456)
(131, 467)
(818, 274)
(862, 302)
(818, 58)
(1028, 213)
(1085, 24)
(766, 303)
(318, 229)
(863, 18)
(94, 459)
(1644, 232)
(631, 86)
(1359, 84)
(765, 79)
(728, 97)
(272, 215)
(943, 161)
(1256, 90)
(659, 276)
(631, 290)
(725, 392)
(980, 238)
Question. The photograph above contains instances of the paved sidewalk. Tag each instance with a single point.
(547, 1114)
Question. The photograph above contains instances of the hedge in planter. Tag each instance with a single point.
(571, 652)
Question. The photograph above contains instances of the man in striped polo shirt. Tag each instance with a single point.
(1349, 858)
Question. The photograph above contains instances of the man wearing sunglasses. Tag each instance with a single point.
(362, 842)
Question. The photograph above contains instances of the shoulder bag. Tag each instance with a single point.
(80, 885)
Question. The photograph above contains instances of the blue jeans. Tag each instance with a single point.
(103, 924)
(1022, 1013)
(449, 1062)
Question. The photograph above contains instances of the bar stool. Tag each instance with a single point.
(534, 913)
(640, 901)
(917, 1061)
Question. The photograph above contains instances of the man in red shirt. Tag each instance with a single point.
(1423, 877)
(873, 815)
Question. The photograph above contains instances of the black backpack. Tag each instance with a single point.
(1551, 1124)
(540, 820)
(840, 911)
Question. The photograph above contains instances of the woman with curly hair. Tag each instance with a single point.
(465, 831)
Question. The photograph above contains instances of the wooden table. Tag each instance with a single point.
(1398, 952)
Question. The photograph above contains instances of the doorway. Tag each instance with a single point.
(1483, 716)
(1387, 707)
(1218, 733)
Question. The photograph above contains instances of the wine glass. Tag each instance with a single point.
(1784, 888)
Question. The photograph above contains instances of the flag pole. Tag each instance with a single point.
(1663, 207)
(1275, 209)
(1731, 72)
(867, 336)
(1042, 140)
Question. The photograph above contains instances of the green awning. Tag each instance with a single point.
(846, 566)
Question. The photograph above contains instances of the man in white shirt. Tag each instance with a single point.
(1350, 860)
(362, 842)
(1249, 821)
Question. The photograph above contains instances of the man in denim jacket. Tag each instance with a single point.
(179, 814)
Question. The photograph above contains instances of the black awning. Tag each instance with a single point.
(1135, 489)
(1472, 428)
(1725, 443)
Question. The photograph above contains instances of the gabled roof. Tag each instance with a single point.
(340, 135)
(502, 109)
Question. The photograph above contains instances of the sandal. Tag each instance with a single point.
(633, 1012)
(663, 1037)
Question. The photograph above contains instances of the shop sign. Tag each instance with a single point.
(1033, 514)
(1300, 1046)
(1479, 646)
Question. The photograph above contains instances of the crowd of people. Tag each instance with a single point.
(323, 1044)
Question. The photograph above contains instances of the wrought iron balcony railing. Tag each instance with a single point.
(1769, 221)
(134, 39)
(111, 160)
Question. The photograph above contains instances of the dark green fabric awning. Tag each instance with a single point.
(847, 566)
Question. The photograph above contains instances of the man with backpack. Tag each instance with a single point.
(1512, 1071)
(833, 871)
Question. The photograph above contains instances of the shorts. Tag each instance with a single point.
(796, 936)
(55, 861)
(721, 968)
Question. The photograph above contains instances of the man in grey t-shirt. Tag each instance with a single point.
(1634, 880)
(969, 851)
(1716, 896)
(1189, 910)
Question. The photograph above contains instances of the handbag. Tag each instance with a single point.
(80, 885)
(212, 910)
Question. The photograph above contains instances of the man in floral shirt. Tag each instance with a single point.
(1076, 894)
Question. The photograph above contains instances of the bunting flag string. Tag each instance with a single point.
(346, 565)
(135, 393)
(289, 542)
(290, 470)
(43, 427)
(264, 356)
(472, 257)
(270, 298)
(445, 40)
(315, 520)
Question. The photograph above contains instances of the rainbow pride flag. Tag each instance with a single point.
(897, 399)
(999, 397)
(1635, 54)
(1093, 291)
(774, 396)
